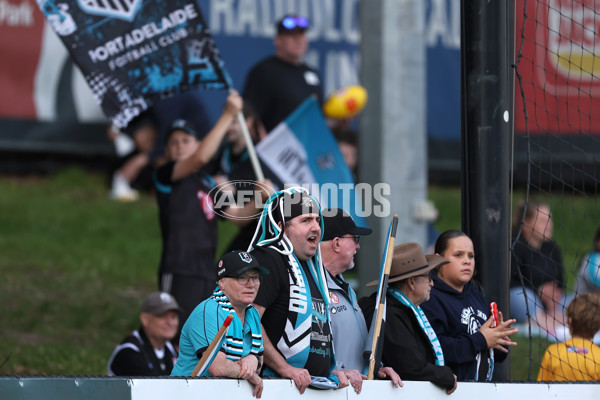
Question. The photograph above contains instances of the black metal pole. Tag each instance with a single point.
(486, 127)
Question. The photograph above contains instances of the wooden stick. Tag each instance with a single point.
(381, 293)
(207, 355)
(260, 176)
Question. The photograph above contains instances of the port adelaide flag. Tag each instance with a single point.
(134, 52)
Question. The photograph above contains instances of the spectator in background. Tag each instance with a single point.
(277, 85)
(186, 208)
(410, 345)
(147, 351)
(348, 326)
(458, 313)
(347, 141)
(233, 151)
(241, 352)
(577, 359)
(588, 276)
(537, 281)
(135, 164)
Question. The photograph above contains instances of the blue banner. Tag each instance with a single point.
(302, 151)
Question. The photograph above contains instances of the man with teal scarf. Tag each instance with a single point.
(240, 351)
(410, 345)
(293, 300)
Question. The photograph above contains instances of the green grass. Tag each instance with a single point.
(75, 266)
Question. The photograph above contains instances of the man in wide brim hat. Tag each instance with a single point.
(408, 260)
(410, 345)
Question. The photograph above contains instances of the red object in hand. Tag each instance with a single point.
(494, 312)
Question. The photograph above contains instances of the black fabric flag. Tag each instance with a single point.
(134, 52)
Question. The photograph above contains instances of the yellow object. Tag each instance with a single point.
(345, 102)
(577, 359)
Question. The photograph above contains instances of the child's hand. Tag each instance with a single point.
(234, 103)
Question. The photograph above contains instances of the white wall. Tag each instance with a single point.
(196, 389)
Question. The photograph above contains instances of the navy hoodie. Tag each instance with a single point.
(456, 318)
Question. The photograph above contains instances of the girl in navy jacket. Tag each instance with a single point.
(458, 312)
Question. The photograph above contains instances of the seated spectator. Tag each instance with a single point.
(133, 170)
(458, 313)
(147, 351)
(348, 326)
(240, 353)
(537, 280)
(410, 345)
(588, 276)
(577, 359)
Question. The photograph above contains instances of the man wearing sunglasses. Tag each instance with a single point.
(277, 85)
(339, 245)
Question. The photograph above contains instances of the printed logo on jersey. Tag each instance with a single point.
(122, 9)
(578, 350)
(334, 297)
(468, 317)
(207, 204)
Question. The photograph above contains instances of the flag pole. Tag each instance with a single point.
(207, 355)
(250, 146)
(381, 293)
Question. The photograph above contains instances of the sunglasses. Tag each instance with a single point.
(355, 238)
(295, 22)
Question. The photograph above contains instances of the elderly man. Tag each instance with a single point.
(240, 354)
(410, 345)
(293, 300)
(338, 247)
(277, 85)
(147, 351)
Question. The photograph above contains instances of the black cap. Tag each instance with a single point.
(292, 23)
(181, 125)
(338, 223)
(236, 263)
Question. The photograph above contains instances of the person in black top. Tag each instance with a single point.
(293, 300)
(410, 345)
(537, 283)
(147, 351)
(277, 85)
(458, 312)
(187, 210)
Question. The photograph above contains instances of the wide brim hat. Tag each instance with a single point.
(408, 260)
(435, 260)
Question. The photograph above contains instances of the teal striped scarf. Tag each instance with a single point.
(234, 339)
(423, 322)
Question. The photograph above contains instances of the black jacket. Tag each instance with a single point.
(135, 356)
(406, 347)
